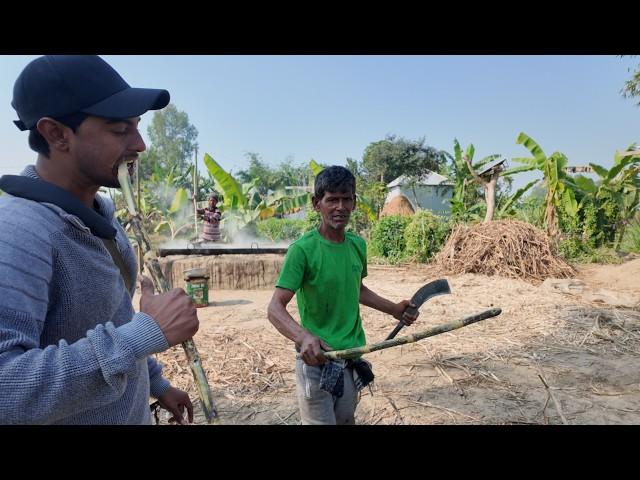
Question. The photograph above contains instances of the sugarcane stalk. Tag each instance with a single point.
(447, 327)
(162, 286)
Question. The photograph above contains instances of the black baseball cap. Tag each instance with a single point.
(60, 85)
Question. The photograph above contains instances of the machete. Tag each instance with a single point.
(427, 291)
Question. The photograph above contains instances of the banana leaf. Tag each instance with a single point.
(513, 198)
(585, 184)
(514, 170)
(601, 171)
(532, 146)
(180, 200)
(315, 168)
(231, 189)
(569, 202)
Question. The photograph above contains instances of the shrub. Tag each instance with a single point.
(359, 223)
(280, 229)
(425, 234)
(387, 237)
(631, 239)
(311, 219)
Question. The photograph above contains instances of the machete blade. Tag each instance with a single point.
(431, 289)
(424, 293)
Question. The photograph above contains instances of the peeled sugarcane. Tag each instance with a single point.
(162, 286)
(463, 322)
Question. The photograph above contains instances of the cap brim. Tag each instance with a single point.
(129, 103)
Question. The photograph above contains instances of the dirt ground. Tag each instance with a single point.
(587, 352)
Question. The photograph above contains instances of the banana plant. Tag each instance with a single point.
(178, 216)
(165, 201)
(618, 191)
(243, 204)
(559, 186)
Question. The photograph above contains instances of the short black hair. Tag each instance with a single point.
(38, 143)
(334, 179)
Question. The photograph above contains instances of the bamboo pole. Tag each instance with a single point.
(162, 286)
(463, 322)
(195, 194)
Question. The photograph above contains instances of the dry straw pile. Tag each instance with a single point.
(399, 205)
(508, 248)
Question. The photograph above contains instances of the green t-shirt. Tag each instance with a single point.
(326, 277)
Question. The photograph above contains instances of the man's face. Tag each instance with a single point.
(212, 203)
(100, 145)
(335, 208)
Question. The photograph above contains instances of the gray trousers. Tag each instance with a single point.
(318, 407)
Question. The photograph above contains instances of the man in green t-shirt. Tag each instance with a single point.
(325, 268)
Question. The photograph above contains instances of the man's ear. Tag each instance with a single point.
(55, 133)
(314, 201)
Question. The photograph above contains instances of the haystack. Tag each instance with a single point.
(399, 205)
(508, 248)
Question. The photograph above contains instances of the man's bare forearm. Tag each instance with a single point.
(373, 300)
(284, 322)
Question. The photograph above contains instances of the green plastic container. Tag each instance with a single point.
(197, 286)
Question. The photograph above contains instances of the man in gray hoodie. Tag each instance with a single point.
(72, 348)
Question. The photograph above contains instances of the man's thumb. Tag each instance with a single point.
(146, 286)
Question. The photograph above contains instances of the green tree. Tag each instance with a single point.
(172, 142)
(268, 178)
(387, 159)
(354, 167)
(259, 172)
(632, 86)
(617, 193)
(291, 174)
(374, 193)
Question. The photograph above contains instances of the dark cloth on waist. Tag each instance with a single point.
(332, 377)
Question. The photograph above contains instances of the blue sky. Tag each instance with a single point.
(294, 108)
